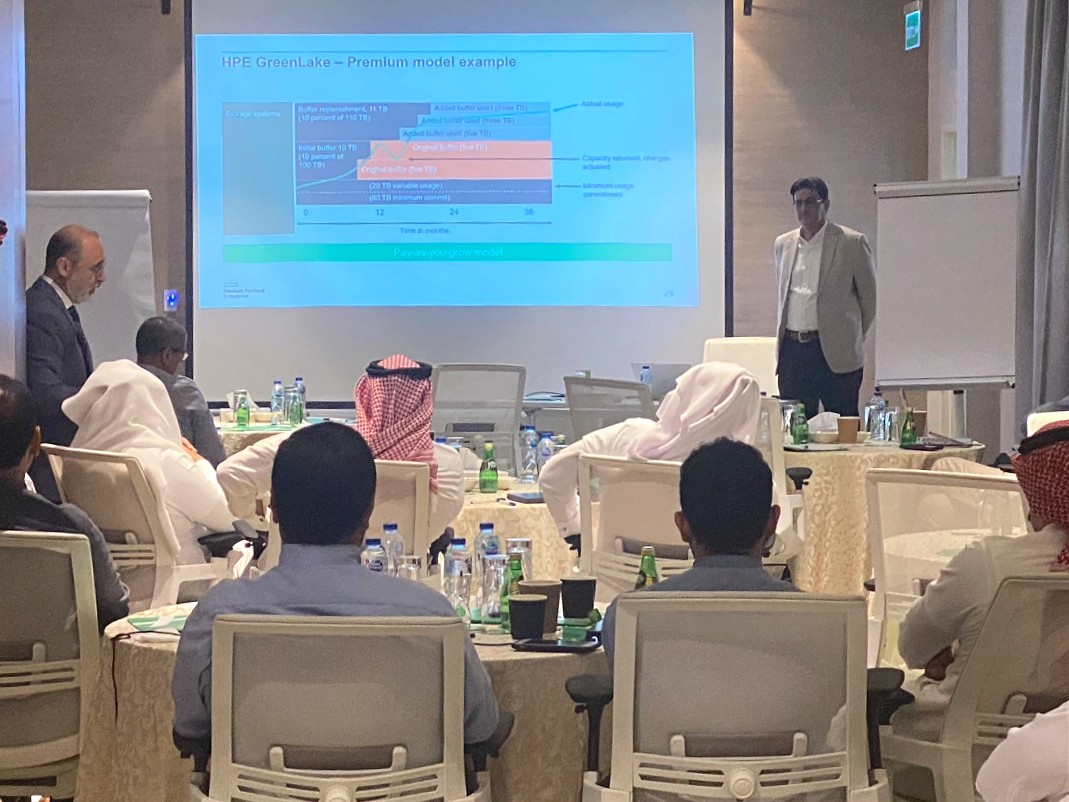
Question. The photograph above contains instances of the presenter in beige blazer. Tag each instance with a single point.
(827, 301)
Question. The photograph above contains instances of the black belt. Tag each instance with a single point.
(802, 336)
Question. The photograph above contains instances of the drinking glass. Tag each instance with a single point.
(495, 582)
(893, 423)
(410, 566)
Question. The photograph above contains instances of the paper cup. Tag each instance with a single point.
(848, 428)
(526, 614)
(550, 588)
(577, 595)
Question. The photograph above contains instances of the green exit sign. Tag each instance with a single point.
(913, 25)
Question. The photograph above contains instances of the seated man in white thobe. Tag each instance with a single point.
(711, 400)
(941, 628)
(394, 403)
(1032, 764)
(322, 495)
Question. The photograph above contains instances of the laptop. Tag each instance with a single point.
(663, 376)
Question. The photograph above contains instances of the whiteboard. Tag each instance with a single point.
(127, 298)
(946, 281)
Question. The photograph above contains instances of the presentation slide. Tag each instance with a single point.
(472, 181)
(441, 170)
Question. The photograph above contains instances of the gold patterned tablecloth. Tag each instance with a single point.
(235, 439)
(836, 554)
(128, 756)
(552, 556)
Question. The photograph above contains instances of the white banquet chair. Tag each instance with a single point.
(483, 400)
(113, 491)
(917, 521)
(787, 667)
(49, 650)
(1037, 420)
(338, 709)
(597, 403)
(1019, 667)
(625, 504)
(756, 354)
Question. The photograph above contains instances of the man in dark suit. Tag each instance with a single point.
(58, 360)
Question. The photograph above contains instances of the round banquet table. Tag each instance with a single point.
(553, 558)
(835, 558)
(128, 755)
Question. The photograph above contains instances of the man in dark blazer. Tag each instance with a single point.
(58, 360)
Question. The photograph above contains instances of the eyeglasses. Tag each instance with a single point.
(801, 204)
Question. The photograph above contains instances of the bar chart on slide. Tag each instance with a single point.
(443, 153)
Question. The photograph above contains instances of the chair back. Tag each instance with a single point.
(303, 705)
(917, 521)
(113, 491)
(625, 504)
(403, 497)
(1018, 667)
(1037, 420)
(482, 400)
(597, 403)
(790, 529)
(787, 665)
(756, 354)
(49, 647)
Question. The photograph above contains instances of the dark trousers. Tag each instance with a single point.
(804, 376)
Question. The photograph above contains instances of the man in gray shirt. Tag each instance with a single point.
(161, 349)
(322, 495)
(728, 520)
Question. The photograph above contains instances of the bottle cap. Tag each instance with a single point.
(545, 434)
(486, 527)
(389, 527)
(457, 541)
(374, 541)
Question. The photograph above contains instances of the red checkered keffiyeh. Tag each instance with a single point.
(393, 413)
(1044, 477)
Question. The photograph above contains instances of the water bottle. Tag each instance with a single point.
(242, 408)
(874, 421)
(456, 576)
(277, 397)
(374, 556)
(487, 544)
(546, 448)
(528, 455)
(646, 376)
(299, 383)
(394, 546)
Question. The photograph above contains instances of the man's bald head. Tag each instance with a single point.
(74, 260)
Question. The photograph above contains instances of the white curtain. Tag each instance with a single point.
(1043, 278)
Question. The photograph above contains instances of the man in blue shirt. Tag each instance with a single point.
(728, 520)
(322, 494)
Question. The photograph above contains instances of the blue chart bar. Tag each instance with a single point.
(422, 153)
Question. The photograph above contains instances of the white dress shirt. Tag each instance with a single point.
(1032, 764)
(805, 277)
(953, 610)
(246, 477)
(67, 302)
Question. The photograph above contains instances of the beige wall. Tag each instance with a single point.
(822, 87)
(105, 110)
